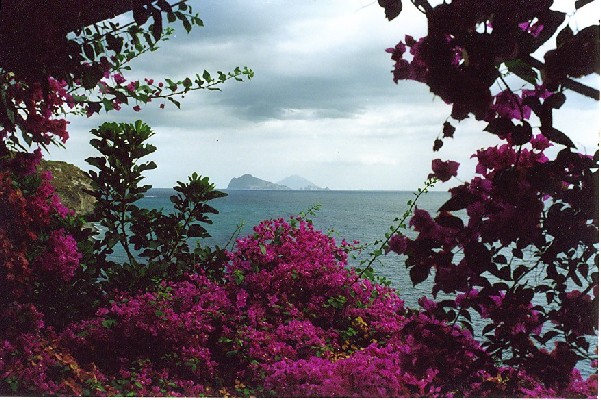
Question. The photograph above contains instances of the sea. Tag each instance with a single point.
(363, 216)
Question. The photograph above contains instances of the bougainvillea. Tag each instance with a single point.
(85, 71)
(47, 276)
(289, 319)
(31, 229)
(283, 314)
(517, 246)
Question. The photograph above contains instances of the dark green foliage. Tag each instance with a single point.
(156, 244)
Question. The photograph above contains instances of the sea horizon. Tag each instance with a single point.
(315, 190)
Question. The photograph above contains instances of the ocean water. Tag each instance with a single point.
(353, 215)
(364, 216)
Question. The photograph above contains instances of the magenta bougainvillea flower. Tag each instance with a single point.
(444, 170)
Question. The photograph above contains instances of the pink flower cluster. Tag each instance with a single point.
(175, 329)
(288, 319)
(61, 256)
(30, 210)
(511, 106)
(34, 109)
(443, 170)
(38, 257)
(410, 66)
(523, 216)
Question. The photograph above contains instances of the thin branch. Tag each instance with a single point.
(411, 206)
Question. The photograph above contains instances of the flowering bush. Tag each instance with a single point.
(36, 249)
(289, 319)
(219, 334)
(282, 314)
(517, 246)
(286, 318)
(40, 276)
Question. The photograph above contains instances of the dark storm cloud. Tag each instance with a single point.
(292, 79)
(322, 103)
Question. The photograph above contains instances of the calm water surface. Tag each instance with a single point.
(353, 215)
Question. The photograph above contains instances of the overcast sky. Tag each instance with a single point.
(322, 104)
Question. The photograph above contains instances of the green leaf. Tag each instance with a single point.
(109, 323)
(187, 25)
(148, 166)
(172, 85)
(108, 105)
(556, 100)
(523, 70)
(459, 201)
(197, 21)
(500, 126)
(238, 276)
(165, 6)
(121, 97)
(177, 103)
(98, 162)
(557, 136)
(196, 230)
(157, 27)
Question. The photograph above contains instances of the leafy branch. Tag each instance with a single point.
(366, 265)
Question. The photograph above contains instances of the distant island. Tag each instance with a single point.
(249, 182)
(294, 182)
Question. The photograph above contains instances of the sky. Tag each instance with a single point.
(322, 103)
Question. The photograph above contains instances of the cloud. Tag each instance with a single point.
(322, 103)
(327, 57)
(370, 159)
